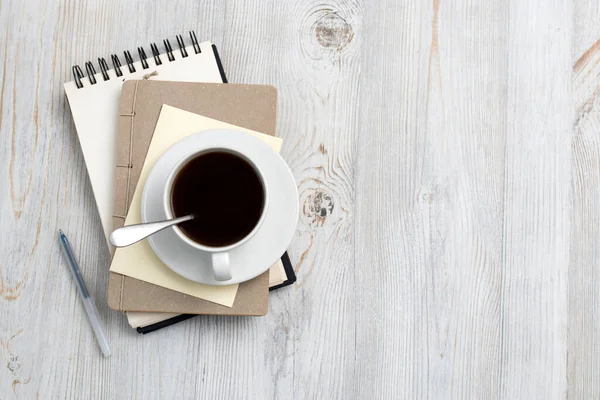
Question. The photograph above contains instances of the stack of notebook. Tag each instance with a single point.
(125, 117)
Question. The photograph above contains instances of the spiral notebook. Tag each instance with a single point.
(94, 101)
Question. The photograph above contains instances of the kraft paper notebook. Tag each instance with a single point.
(248, 106)
(138, 260)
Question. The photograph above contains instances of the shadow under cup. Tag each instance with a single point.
(224, 191)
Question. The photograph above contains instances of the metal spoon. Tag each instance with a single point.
(130, 234)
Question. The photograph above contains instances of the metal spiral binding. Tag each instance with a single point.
(195, 42)
(78, 74)
(129, 61)
(181, 45)
(156, 54)
(116, 64)
(169, 49)
(103, 68)
(91, 71)
(143, 60)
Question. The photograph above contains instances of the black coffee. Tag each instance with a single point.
(225, 195)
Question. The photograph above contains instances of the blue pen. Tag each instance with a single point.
(88, 302)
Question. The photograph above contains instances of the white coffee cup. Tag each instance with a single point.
(220, 255)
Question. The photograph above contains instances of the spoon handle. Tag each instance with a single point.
(128, 235)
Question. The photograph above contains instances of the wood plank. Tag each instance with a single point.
(429, 201)
(537, 196)
(584, 269)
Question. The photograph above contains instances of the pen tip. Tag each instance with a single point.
(60, 232)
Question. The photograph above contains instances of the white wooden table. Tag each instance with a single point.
(459, 143)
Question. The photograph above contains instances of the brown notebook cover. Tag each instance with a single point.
(250, 106)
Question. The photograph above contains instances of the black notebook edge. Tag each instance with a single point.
(289, 273)
(219, 64)
(163, 324)
(290, 279)
(285, 259)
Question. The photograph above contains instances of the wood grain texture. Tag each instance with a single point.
(586, 19)
(448, 227)
(537, 201)
(584, 268)
(430, 200)
(462, 203)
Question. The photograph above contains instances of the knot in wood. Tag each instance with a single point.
(332, 31)
(13, 365)
(318, 206)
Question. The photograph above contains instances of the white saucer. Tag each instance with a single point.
(249, 259)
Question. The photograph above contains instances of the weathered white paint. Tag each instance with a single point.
(455, 145)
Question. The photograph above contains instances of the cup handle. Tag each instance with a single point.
(221, 267)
